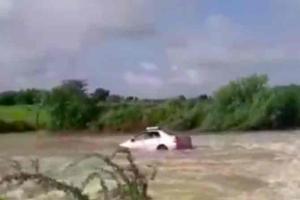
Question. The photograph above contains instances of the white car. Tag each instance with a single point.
(156, 139)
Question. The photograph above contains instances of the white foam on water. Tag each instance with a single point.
(286, 179)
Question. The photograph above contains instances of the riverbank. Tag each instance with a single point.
(246, 104)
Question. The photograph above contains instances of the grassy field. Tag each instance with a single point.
(23, 113)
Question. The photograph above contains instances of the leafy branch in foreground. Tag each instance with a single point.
(46, 182)
(131, 182)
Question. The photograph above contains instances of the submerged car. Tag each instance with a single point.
(156, 139)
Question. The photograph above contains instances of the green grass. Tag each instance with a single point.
(23, 113)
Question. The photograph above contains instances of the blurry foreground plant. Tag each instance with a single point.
(132, 183)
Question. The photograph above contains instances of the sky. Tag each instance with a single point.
(148, 48)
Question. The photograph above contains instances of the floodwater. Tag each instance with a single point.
(231, 166)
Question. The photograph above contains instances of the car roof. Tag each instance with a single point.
(153, 128)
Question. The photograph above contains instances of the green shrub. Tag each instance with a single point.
(16, 126)
(257, 113)
(284, 109)
(249, 103)
(123, 118)
(233, 104)
(165, 113)
(192, 117)
(70, 106)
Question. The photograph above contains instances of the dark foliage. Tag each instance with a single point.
(70, 106)
(23, 97)
(16, 126)
(8, 98)
(100, 94)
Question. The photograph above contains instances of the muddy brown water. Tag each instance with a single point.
(248, 166)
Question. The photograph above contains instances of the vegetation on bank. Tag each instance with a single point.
(246, 104)
(20, 118)
(29, 113)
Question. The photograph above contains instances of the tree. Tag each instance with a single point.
(30, 96)
(132, 98)
(77, 86)
(203, 97)
(100, 94)
(70, 106)
(181, 98)
(8, 98)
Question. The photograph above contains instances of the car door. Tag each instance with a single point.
(138, 142)
(152, 141)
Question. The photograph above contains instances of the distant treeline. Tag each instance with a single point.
(245, 104)
(37, 96)
(22, 97)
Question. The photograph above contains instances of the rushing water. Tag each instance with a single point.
(251, 166)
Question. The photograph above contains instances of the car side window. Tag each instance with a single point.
(147, 135)
(152, 134)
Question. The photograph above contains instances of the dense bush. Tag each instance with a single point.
(163, 113)
(70, 106)
(233, 103)
(122, 118)
(8, 98)
(16, 126)
(284, 108)
(250, 103)
(134, 116)
(192, 117)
